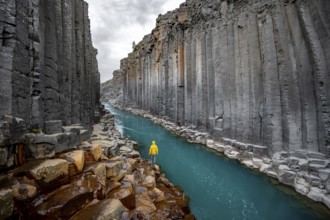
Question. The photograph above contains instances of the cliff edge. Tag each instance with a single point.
(50, 83)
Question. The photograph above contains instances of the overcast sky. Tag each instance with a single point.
(115, 24)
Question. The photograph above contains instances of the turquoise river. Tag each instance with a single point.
(218, 188)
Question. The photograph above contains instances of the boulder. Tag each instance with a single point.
(96, 151)
(45, 146)
(257, 163)
(157, 195)
(120, 175)
(266, 160)
(324, 174)
(248, 163)
(76, 157)
(53, 127)
(219, 147)
(264, 167)
(301, 185)
(144, 204)
(98, 169)
(129, 178)
(11, 130)
(134, 154)
(63, 202)
(22, 191)
(232, 154)
(285, 175)
(316, 194)
(125, 150)
(84, 135)
(101, 210)
(6, 203)
(113, 168)
(279, 158)
(310, 177)
(149, 182)
(259, 151)
(132, 162)
(50, 170)
(126, 195)
(209, 143)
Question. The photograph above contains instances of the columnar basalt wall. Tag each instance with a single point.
(48, 64)
(48, 69)
(249, 70)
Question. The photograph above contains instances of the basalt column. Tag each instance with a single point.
(48, 67)
(252, 71)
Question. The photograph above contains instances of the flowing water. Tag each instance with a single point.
(218, 188)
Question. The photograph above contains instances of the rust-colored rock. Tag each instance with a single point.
(101, 210)
(144, 204)
(63, 202)
(126, 195)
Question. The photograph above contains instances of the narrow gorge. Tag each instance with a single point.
(61, 156)
(249, 70)
(253, 75)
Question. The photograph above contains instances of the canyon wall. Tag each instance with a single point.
(48, 69)
(248, 70)
(111, 90)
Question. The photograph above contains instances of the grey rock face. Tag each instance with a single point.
(53, 127)
(252, 71)
(48, 64)
(112, 89)
(48, 70)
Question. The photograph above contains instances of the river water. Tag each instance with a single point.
(218, 188)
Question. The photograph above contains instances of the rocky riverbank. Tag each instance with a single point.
(102, 178)
(306, 171)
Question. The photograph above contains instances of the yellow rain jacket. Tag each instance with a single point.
(153, 149)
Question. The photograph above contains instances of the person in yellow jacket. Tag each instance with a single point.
(153, 151)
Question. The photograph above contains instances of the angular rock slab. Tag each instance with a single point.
(63, 202)
(144, 204)
(113, 168)
(53, 127)
(76, 157)
(50, 170)
(126, 195)
(285, 175)
(101, 210)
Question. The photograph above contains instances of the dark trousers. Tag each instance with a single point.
(153, 158)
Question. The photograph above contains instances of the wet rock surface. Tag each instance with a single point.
(92, 182)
